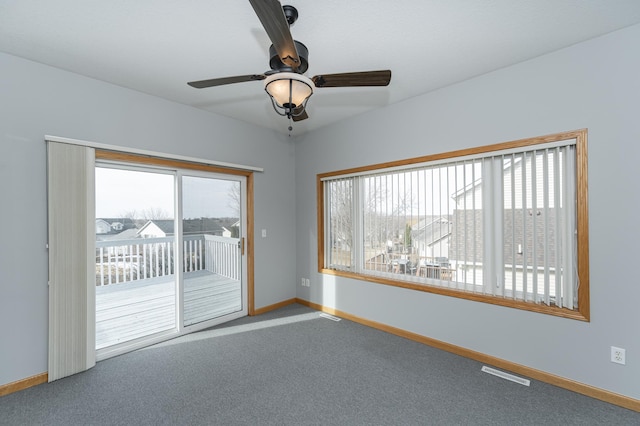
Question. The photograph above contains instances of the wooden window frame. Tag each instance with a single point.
(148, 160)
(582, 226)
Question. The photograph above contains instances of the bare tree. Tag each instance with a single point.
(234, 198)
(141, 217)
(133, 216)
(155, 213)
(129, 214)
(385, 210)
(340, 205)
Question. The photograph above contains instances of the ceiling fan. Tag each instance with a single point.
(285, 82)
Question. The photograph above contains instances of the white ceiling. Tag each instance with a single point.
(156, 46)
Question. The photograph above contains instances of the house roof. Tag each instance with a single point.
(431, 229)
(127, 222)
(127, 234)
(203, 225)
(507, 166)
(165, 225)
(212, 226)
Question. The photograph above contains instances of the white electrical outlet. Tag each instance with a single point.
(307, 282)
(618, 355)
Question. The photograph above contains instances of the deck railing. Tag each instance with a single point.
(141, 258)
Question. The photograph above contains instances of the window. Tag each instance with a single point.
(504, 224)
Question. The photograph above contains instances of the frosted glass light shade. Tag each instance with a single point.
(288, 90)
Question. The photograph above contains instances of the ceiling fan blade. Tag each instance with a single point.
(275, 24)
(225, 80)
(300, 115)
(353, 79)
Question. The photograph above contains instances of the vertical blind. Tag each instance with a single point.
(71, 240)
(501, 223)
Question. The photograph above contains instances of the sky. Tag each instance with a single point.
(121, 191)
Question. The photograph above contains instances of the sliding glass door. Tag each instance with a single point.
(169, 253)
(135, 255)
(212, 247)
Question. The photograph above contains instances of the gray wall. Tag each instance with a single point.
(594, 85)
(36, 100)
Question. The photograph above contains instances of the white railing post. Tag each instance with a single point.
(222, 256)
(152, 257)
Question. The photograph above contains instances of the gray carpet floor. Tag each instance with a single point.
(294, 367)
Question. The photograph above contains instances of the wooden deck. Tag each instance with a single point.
(135, 309)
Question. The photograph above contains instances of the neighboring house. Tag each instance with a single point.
(205, 225)
(165, 228)
(518, 237)
(234, 229)
(430, 237)
(113, 225)
(157, 228)
(471, 195)
(102, 227)
(226, 233)
(528, 237)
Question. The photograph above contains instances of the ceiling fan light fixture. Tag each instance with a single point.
(287, 87)
(289, 92)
